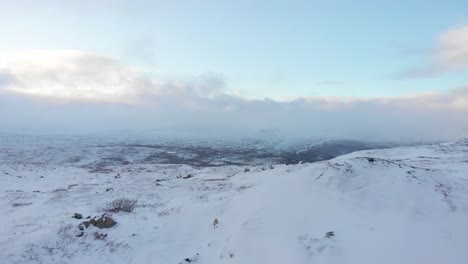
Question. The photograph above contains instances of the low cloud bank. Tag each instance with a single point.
(78, 92)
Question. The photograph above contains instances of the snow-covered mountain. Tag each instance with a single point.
(399, 205)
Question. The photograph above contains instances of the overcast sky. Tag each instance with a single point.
(381, 69)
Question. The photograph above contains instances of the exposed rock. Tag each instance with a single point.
(104, 221)
(20, 204)
(77, 216)
(190, 260)
(186, 177)
(99, 236)
(71, 186)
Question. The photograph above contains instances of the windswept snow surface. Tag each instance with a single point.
(401, 205)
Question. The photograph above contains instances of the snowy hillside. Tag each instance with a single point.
(401, 205)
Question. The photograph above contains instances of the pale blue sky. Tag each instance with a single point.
(261, 48)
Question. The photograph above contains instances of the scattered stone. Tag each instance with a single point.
(86, 224)
(109, 189)
(371, 160)
(99, 236)
(190, 260)
(246, 170)
(104, 221)
(20, 204)
(80, 234)
(187, 177)
(77, 216)
(41, 177)
(71, 185)
(117, 176)
(101, 170)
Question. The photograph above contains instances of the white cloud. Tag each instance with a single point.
(453, 49)
(73, 75)
(100, 93)
(450, 54)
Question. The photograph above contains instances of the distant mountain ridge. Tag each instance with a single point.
(101, 152)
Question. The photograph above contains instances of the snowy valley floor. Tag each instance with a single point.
(401, 205)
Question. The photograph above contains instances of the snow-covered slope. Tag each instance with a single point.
(401, 205)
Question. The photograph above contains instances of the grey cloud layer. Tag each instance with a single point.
(81, 92)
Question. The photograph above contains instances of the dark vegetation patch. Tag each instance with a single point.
(121, 205)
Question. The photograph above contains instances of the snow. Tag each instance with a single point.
(400, 205)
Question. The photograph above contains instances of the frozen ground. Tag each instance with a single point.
(401, 205)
